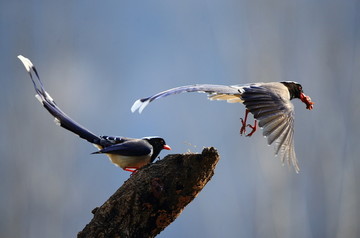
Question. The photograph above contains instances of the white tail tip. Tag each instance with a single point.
(139, 105)
(27, 63)
(39, 99)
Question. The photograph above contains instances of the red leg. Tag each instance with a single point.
(243, 123)
(131, 169)
(253, 128)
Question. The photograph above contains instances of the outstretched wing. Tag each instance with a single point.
(275, 115)
(60, 117)
(216, 92)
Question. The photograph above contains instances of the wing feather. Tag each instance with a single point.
(275, 112)
(129, 148)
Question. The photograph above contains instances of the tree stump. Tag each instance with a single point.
(153, 197)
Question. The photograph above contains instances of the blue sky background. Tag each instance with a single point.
(97, 57)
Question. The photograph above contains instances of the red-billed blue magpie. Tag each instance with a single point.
(268, 102)
(128, 153)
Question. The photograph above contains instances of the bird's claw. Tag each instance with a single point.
(253, 128)
(243, 127)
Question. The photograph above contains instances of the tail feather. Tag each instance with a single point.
(214, 91)
(48, 102)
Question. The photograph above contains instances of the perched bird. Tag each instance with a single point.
(268, 102)
(128, 153)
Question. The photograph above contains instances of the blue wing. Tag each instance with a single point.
(135, 147)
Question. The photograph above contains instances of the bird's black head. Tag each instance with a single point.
(158, 144)
(294, 88)
(296, 91)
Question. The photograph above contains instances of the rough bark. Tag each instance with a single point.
(153, 197)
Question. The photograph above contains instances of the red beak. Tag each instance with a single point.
(166, 147)
(307, 100)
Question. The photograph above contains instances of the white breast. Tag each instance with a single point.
(129, 161)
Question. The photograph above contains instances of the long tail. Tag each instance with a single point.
(216, 92)
(45, 99)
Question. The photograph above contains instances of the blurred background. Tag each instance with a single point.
(97, 57)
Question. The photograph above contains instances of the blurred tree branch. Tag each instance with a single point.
(153, 197)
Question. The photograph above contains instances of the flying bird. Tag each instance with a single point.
(129, 154)
(268, 102)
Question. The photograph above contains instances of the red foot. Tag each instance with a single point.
(244, 125)
(133, 170)
(253, 128)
